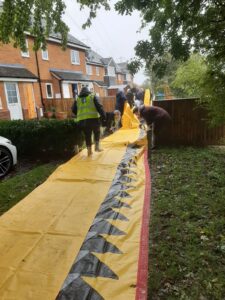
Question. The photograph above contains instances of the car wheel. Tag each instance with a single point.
(6, 161)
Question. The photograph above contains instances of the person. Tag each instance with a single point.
(88, 110)
(130, 98)
(120, 101)
(140, 95)
(155, 117)
(112, 121)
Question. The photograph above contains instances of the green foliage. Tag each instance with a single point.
(164, 75)
(134, 65)
(42, 139)
(38, 17)
(198, 78)
(190, 76)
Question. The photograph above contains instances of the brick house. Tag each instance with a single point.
(126, 77)
(31, 82)
(29, 79)
(96, 71)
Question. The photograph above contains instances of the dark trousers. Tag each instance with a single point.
(88, 127)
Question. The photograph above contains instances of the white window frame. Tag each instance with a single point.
(43, 52)
(97, 71)
(89, 69)
(47, 96)
(26, 54)
(75, 57)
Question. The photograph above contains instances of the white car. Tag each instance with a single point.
(8, 156)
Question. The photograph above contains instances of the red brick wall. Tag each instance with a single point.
(94, 76)
(11, 55)
(4, 114)
(58, 59)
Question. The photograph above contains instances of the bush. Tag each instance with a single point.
(42, 139)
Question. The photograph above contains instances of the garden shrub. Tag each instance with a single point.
(40, 139)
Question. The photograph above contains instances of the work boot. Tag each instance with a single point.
(97, 147)
(76, 149)
(89, 151)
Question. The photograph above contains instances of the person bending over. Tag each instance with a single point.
(155, 117)
(112, 123)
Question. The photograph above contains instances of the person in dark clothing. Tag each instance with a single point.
(140, 95)
(112, 121)
(155, 117)
(120, 101)
(88, 110)
(130, 98)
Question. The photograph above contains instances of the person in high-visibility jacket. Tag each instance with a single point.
(88, 111)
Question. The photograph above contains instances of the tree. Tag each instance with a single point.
(160, 78)
(176, 27)
(39, 17)
(197, 78)
(190, 76)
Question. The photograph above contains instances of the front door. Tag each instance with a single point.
(29, 94)
(66, 90)
(13, 100)
(75, 90)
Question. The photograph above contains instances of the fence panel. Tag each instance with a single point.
(189, 125)
(64, 105)
(109, 103)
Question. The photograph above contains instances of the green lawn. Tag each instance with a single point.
(187, 230)
(14, 189)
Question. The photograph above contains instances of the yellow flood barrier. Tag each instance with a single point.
(147, 97)
(77, 236)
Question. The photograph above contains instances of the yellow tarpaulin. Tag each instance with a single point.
(78, 233)
(147, 97)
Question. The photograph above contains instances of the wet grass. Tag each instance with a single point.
(14, 189)
(187, 230)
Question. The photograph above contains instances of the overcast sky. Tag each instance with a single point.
(111, 35)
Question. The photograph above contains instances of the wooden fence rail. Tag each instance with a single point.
(64, 105)
(189, 125)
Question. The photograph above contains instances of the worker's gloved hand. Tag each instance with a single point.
(149, 127)
(142, 126)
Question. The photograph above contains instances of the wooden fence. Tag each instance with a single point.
(109, 103)
(64, 105)
(189, 125)
(59, 105)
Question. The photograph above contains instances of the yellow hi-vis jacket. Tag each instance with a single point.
(86, 108)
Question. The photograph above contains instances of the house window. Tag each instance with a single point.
(26, 53)
(111, 71)
(75, 57)
(49, 91)
(11, 92)
(89, 69)
(44, 54)
(97, 71)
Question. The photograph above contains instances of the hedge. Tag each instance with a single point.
(42, 139)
